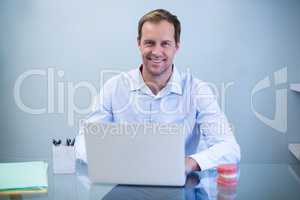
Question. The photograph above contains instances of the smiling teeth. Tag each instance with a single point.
(156, 60)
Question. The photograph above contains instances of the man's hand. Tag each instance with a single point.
(191, 165)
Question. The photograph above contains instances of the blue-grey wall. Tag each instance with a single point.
(237, 43)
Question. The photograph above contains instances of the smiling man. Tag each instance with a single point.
(157, 92)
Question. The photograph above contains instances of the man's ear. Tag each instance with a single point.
(177, 46)
(138, 42)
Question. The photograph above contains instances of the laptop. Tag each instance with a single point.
(137, 154)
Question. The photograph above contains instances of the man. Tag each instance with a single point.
(157, 92)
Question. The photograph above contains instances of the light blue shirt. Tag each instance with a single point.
(185, 99)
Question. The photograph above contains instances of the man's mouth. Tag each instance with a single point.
(156, 60)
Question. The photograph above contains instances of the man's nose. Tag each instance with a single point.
(157, 50)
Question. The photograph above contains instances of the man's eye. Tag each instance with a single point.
(166, 44)
(148, 43)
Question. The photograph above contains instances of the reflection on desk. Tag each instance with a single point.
(256, 181)
(191, 191)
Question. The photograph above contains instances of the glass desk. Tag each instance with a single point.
(256, 181)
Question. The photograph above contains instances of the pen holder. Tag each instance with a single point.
(63, 158)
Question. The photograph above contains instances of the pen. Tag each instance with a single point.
(73, 142)
(68, 143)
(56, 143)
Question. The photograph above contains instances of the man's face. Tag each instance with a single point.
(158, 48)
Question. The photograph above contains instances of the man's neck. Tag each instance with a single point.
(156, 83)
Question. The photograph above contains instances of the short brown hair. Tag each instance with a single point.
(157, 16)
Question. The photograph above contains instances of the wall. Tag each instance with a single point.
(233, 43)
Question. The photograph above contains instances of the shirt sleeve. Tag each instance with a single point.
(102, 105)
(215, 130)
(101, 112)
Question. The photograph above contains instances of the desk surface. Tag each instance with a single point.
(256, 181)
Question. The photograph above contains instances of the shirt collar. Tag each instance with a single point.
(174, 84)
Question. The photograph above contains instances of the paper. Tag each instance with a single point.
(23, 175)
